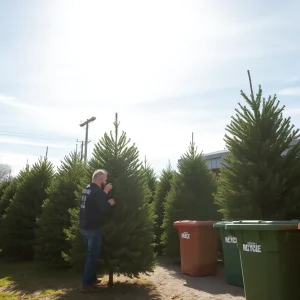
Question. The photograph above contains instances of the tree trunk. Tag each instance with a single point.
(111, 279)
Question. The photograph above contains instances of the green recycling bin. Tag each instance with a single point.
(232, 262)
(270, 258)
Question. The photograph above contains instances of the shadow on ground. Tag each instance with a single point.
(208, 284)
(33, 281)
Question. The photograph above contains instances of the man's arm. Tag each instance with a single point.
(102, 202)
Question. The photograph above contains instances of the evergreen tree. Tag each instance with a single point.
(19, 223)
(3, 185)
(55, 217)
(163, 188)
(190, 198)
(128, 236)
(259, 179)
(150, 178)
(9, 188)
(4, 200)
(8, 193)
(77, 253)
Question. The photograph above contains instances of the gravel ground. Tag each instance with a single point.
(172, 284)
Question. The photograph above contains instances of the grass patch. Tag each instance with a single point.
(5, 281)
(9, 296)
(51, 292)
(33, 280)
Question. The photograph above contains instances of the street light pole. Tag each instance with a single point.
(86, 124)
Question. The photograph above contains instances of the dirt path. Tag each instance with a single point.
(172, 284)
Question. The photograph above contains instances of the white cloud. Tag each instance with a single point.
(293, 91)
(292, 112)
(18, 161)
(12, 101)
(58, 119)
(96, 58)
(16, 141)
(132, 53)
(293, 79)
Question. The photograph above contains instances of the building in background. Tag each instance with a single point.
(213, 159)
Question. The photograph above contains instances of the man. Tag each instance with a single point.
(94, 207)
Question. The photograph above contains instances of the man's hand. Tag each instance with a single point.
(111, 202)
(107, 188)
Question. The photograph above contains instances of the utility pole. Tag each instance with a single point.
(81, 147)
(86, 124)
(46, 152)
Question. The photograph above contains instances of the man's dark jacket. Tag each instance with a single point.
(94, 207)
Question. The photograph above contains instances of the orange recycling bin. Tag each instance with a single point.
(198, 247)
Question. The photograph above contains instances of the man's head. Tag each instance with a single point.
(100, 177)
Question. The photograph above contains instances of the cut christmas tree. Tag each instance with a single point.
(51, 240)
(261, 175)
(19, 223)
(190, 198)
(163, 188)
(128, 235)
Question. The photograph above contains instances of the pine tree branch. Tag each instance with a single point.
(250, 82)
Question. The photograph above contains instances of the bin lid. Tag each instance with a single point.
(222, 224)
(263, 225)
(192, 223)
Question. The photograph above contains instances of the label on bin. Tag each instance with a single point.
(185, 235)
(230, 239)
(252, 247)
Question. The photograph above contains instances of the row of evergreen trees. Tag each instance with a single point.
(39, 208)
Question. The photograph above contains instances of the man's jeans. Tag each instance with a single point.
(93, 242)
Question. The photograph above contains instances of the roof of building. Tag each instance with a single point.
(221, 153)
(215, 154)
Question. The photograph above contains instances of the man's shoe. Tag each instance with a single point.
(89, 289)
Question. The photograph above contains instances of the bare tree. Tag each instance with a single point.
(4, 171)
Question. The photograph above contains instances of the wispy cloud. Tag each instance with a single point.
(165, 79)
(292, 112)
(293, 79)
(16, 141)
(60, 119)
(13, 102)
(292, 91)
(18, 161)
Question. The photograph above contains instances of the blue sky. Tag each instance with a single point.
(169, 68)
